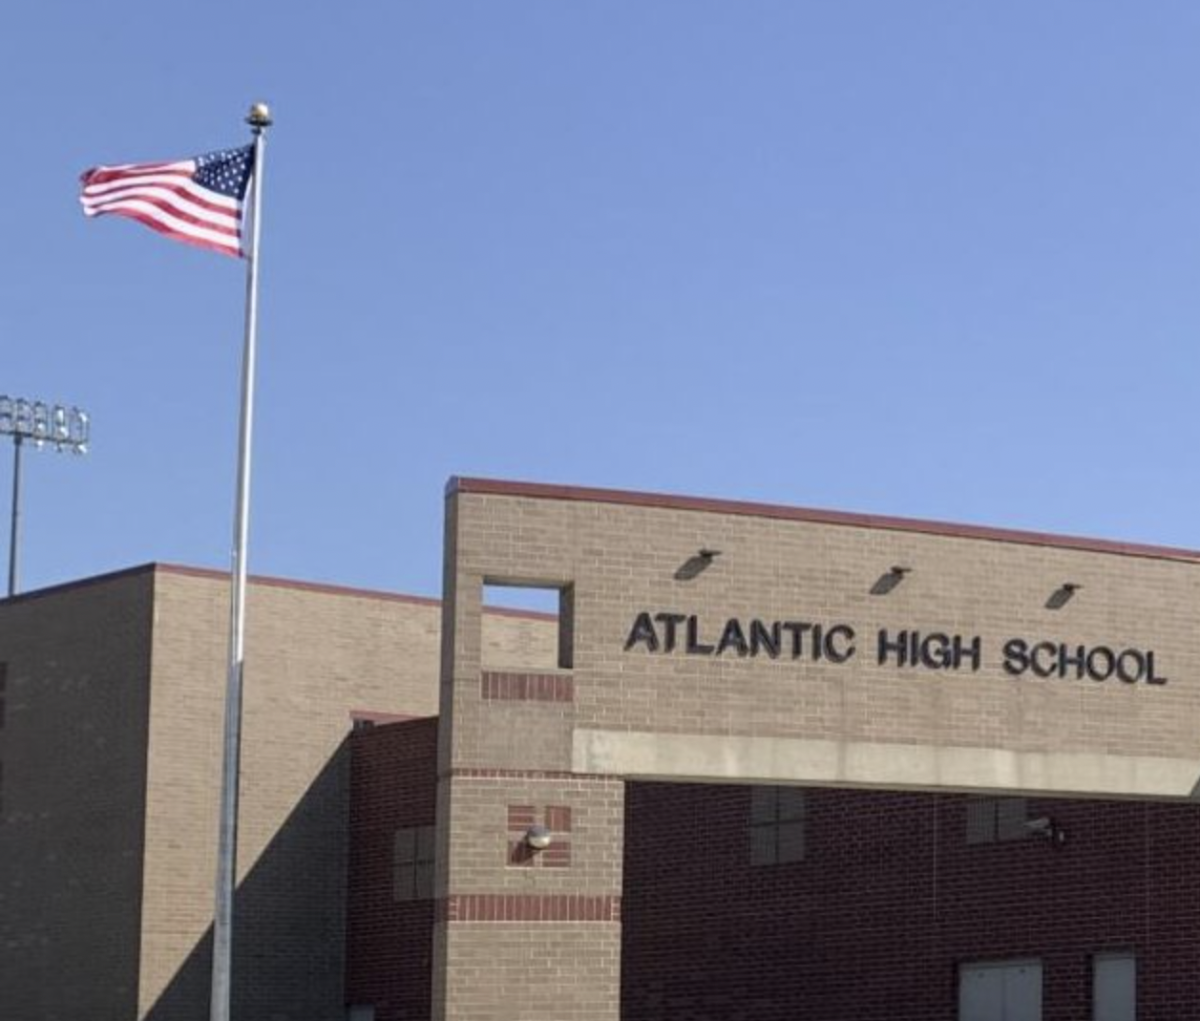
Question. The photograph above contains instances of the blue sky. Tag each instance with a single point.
(932, 258)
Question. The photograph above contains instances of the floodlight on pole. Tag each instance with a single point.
(42, 424)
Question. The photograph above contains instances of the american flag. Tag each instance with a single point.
(198, 200)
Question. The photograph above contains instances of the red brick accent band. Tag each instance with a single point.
(542, 491)
(528, 907)
(513, 687)
(521, 817)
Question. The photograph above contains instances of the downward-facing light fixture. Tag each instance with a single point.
(699, 561)
(1062, 595)
(889, 579)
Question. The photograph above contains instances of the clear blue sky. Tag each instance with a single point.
(926, 258)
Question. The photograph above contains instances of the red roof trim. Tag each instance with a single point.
(302, 586)
(664, 501)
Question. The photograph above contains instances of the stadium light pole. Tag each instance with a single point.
(38, 423)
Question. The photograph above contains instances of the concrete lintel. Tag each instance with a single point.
(734, 759)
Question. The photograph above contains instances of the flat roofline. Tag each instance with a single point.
(269, 581)
(666, 501)
(262, 581)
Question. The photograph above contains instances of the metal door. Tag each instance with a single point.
(1000, 991)
(1114, 987)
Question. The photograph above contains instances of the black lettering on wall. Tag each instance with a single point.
(1016, 656)
(642, 631)
(1131, 666)
(935, 651)
(1067, 661)
(887, 648)
(973, 652)
(1151, 676)
(796, 629)
(1038, 663)
(1101, 663)
(669, 621)
(839, 643)
(694, 646)
(733, 637)
(764, 639)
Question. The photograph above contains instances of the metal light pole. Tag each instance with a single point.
(64, 428)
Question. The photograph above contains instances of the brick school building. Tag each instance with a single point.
(761, 763)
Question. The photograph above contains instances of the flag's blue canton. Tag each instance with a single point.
(226, 172)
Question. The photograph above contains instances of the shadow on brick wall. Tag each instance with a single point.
(289, 920)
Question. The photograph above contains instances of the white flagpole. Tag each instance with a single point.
(259, 120)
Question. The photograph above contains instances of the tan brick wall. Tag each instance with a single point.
(111, 756)
(313, 656)
(521, 972)
(72, 750)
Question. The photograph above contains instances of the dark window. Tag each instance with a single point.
(776, 825)
(412, 863)
(3, 690)
(990, 820)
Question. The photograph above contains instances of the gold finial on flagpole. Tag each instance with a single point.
(259, 116)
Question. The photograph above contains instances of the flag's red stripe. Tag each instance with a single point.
(234, 248)
(175, 213)
(103, 175)
(133, 191)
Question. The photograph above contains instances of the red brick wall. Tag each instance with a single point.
(871, 926)
(890, 899)
(393, 785)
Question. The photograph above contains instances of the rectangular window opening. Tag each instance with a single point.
(528, 626)
(993, 820)
(412, 863)
(777, 825)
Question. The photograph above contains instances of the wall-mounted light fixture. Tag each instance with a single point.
(889, 580)
(537, 838)
(1062, 595)
(1047, 829)
(699, 561)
